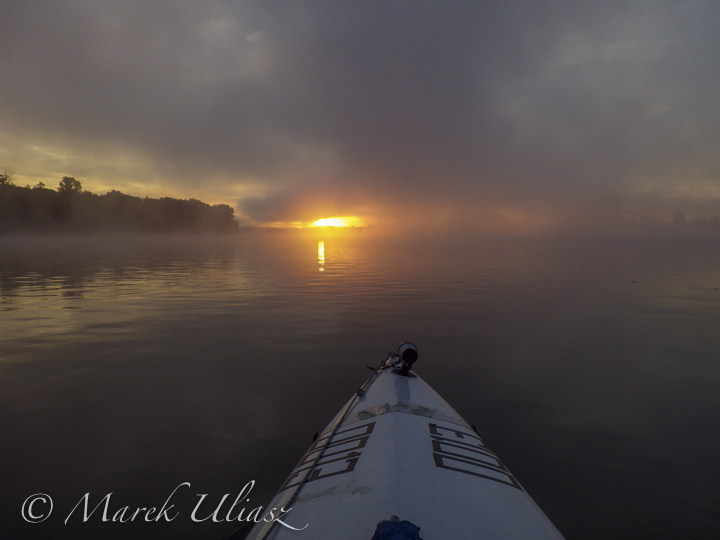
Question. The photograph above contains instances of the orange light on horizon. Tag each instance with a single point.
(347, 221)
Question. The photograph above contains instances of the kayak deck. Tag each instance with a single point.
(397, 448)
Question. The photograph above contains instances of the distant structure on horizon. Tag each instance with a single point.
(608, 214)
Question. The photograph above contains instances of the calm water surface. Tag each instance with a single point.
(132, 365)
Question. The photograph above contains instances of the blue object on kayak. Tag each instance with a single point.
(393, 529)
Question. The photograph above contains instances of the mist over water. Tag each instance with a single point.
(131, 365)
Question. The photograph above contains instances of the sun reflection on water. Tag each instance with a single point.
(321, 256)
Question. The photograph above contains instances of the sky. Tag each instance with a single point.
(465, 112)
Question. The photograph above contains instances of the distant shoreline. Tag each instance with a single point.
(70, 209)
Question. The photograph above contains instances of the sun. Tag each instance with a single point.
(348, 221)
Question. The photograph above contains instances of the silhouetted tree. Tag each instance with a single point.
(69, 185)
(6, 177)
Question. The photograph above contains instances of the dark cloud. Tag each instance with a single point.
(320, 106)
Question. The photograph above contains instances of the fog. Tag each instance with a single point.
(455, 115)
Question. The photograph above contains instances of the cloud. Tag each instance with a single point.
(297, 108)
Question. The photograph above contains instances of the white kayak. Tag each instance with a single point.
(398, 454)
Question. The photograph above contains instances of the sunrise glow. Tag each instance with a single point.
(337, 222)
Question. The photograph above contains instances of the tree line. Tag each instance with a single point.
(69, 208)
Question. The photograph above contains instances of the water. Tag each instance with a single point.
(133, 365)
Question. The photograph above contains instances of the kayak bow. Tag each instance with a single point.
(398, 449)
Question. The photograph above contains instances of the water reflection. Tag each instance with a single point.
(321, 256)
(591, 370)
